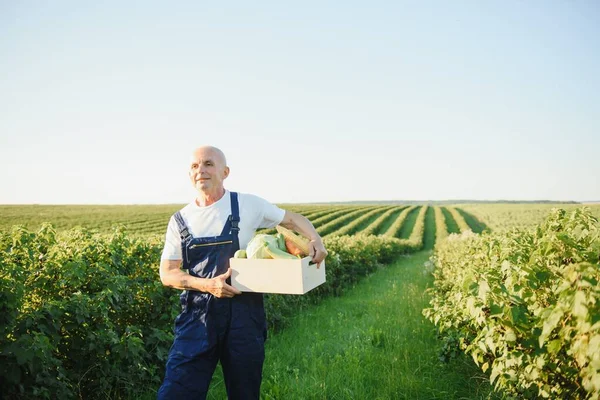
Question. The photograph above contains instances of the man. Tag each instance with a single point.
(218, 322)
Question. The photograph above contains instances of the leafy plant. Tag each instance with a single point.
(84, 315)
(525, 304)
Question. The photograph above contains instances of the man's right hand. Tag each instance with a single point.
(218, 286)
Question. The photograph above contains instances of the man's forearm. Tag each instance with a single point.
(301, 224)
(172, 275)
(182, 280)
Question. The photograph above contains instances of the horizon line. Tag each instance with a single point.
(517, 201)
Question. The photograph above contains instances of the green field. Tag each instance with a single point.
(505, 216)
(364, 338)
(153, 219)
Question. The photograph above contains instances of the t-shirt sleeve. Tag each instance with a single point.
(172, 249)
(272, 215)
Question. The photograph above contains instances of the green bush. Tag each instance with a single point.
(526, 305)
(85, 315)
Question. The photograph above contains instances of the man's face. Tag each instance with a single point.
(208, 170)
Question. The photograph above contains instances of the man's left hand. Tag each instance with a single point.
(317, 251)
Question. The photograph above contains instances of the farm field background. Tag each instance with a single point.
(152, 219)
(98, 284)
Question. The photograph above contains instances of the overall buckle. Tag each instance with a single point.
(185, 233)
(234, 224)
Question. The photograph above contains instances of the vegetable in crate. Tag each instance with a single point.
(241, 253)
(264, 247)
(281, 242)
(295, 244)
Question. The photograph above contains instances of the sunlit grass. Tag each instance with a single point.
(372, 343)
(429, 234)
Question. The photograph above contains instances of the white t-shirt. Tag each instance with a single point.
(255, 213)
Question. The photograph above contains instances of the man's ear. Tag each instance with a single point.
(225, 172)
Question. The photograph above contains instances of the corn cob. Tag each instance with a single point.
(297, 240)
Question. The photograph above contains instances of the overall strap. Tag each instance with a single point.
(234, 219)
(183, 229)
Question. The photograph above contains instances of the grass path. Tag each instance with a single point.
(476, 225)
(429, 234)
(450, 222)
(409, 223)
(371, 343)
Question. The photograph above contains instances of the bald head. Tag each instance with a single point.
(214, 153)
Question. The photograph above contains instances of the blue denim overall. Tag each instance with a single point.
(209, 329)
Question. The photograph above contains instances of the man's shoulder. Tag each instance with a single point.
(253, 199)
(249, 196)
(185, 210)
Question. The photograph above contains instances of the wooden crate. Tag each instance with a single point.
(276, 276)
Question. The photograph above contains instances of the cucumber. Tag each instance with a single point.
(275, 252)
(281, 242)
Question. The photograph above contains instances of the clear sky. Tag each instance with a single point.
(103, 102)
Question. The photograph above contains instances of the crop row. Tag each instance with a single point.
(394, 229)
(458, 218)
(364, 219)
(141, 221)
(441, 230)
(375, 226)
(500, 217)
(341, 219)
(322, 216)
